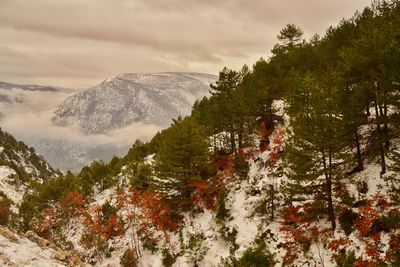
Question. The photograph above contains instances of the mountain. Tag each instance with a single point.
(121, 109)
(73, 155)
(20, 166)
(14, 93)
(27, 87)
(153, 98)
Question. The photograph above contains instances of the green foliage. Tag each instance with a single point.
(168, 259)
(138, 152)
(128, 259)
(347, 219)
(290, 35)
(98, 247)
(222, 212)
(98, 173)
(195, 249)
(107, 210)
(142, 176)
(229, 236)
(14, 152)
(345, 260)
(387, 222)
(257, 256)
(43, 196)
(241, 166)
(183, 156)
(149, 243)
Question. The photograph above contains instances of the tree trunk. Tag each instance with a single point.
(385, 122)
(328, 179)
(360, 165)
(233, 144)
(240, 136)
(381, 146)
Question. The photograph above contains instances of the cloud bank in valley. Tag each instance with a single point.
(30, 120)
(33, 118)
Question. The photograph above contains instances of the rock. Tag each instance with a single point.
(53, 246)
(4, 231)
(32, 236)
(60, 255)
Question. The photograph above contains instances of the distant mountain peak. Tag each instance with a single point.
(27, 87)
(118, 101)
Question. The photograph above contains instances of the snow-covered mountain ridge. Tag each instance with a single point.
(154, 98)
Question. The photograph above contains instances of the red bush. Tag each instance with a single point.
(4, 211)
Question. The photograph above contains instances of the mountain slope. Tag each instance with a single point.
(204, 239)
(153, 98)
(20, 166)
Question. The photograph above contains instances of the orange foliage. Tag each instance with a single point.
(99, 227)
(277, 147)
(146, 210)
(157, 213)
(364, 263)
(4, 212)
(374, 247)
(72, 202)
(299, 230)
(368, 216)
(336, 244)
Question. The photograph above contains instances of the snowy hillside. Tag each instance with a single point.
(154, 98)
(19, 166)
(205, 239)
(119, 110)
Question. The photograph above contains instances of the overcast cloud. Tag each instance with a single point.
(78, 43)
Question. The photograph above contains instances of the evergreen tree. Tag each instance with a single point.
(315, 150)
(290, 35)
(223, 91)
(183, 156)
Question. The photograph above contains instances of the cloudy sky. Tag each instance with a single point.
(78, 43)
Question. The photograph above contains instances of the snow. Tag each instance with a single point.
(20, 251)
(247, 228)
(10, 185)
(250, 226)
(154, 98)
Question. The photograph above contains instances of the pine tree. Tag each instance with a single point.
(223, 91)
(183, 156)
(315, 150)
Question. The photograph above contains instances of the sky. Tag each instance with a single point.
(79, 43)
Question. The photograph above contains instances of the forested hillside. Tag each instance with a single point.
(20, 169)
(292, 162)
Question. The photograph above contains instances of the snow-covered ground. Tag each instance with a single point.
(10, 184)
(19, 251)
(250, 226)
